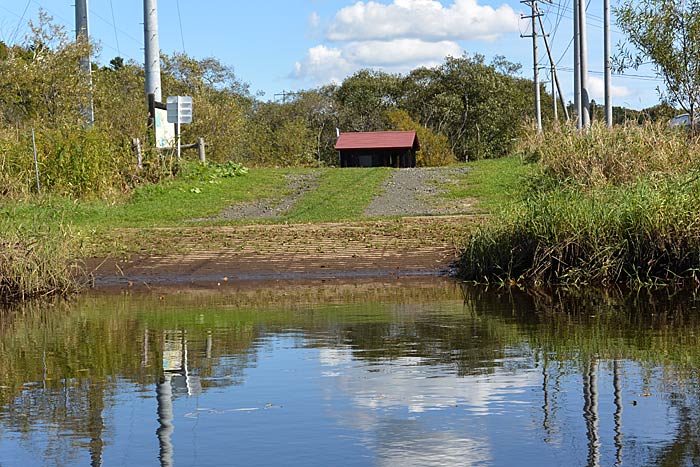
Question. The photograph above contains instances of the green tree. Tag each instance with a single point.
(42, 81)
(222, 102)
(667, 34)
(364, 98)
(434, 148)
(479, 107)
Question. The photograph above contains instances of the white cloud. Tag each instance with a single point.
(399, 52)
(321, 65)
(331, 64)
(425, 19)
(596, 88)
(314, 20)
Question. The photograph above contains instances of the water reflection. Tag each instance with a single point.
(418, 373)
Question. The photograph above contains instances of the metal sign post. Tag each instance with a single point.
(179, 112)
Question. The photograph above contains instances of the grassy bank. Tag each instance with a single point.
(36, 261)
(615, 206)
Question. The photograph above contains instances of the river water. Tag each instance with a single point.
(410, 372)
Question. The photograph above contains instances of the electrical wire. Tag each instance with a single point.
(116, 36)
(179, 18)
(19, 23)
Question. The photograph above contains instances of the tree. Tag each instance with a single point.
(479, 107)
(434, 148)
(222, 102)
(667, 33)
(364, 98)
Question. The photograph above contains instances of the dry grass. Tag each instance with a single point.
(36, 262)
(616, 206)
(603, 157)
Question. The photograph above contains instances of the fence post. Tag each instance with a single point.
(202, 151)
(36, 165)
(136, 147)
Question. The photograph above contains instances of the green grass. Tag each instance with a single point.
(169, 203)
(342, 194)
(492, 182)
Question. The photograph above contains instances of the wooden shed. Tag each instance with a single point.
(378, 149)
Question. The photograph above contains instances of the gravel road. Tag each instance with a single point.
(408, 192)
(416, 192)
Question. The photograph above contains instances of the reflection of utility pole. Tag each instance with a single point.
(174, 368)
(144, 358)
(590, 412)
(618, 413)
(546, 423)
(96, 402)
(209, 345)
(164, 396)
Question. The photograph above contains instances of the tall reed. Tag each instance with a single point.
(603, 156)
(37, 261)
(610, 207)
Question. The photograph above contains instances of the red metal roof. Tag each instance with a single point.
(378, 140)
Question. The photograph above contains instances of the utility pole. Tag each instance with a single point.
(555, 78)
(82, 33)
(554, 94)
(577, 65)
(535, 65)
(583, 49)
(152, 49)
(608, 72)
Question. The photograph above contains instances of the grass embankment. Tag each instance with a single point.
(616, 206)
(36, 261)
(38, 257)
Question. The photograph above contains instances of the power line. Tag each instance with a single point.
(116, 37)
(621, 75)
(14, 35)
(179, 18)
(109, 23)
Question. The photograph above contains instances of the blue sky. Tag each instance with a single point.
(278, 45)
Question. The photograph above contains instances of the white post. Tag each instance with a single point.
(577, 65)
(536, 80)
(177, 130)
(36, 165)
(82, 33)
(608, 72)
(152, 49)
(585, 97)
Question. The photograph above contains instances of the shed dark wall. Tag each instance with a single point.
(399, 158)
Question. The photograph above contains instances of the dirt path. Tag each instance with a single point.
(220, 255)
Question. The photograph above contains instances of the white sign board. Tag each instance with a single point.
(179, 109)
(165, 132)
